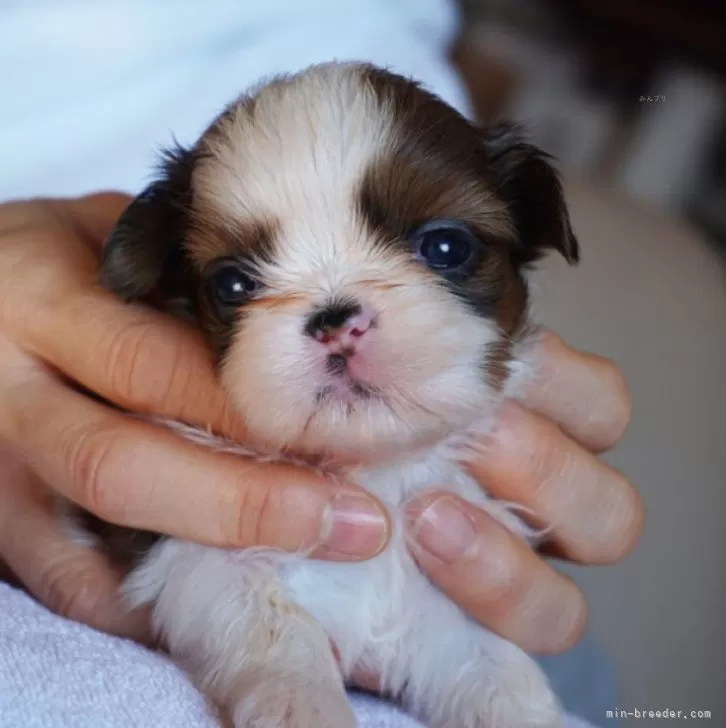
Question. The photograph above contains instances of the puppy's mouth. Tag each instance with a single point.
(345, 390)
(345, 380)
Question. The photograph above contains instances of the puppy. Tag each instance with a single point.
(355, 251)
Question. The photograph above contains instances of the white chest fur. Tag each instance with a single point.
(241, 621)
(370, 608)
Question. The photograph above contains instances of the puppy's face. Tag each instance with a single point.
(353, 249)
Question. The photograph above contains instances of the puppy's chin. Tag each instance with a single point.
(357, 428)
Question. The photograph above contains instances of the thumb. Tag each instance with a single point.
(94, 216)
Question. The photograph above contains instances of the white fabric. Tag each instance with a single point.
(90, 90)
(58, 674)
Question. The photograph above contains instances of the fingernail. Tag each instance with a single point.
(357, 527)
(443, 529)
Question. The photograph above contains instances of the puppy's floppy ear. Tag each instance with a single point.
(146, 244)
(532, 189)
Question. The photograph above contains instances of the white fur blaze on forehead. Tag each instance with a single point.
(297, 148)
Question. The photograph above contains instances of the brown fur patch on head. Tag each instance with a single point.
(210, 237)
(430, 168)
(438, 168)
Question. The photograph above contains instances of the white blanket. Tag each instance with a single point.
(58, 674)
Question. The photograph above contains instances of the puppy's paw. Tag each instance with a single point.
(522, 698)
(277, 705)
(513, 705)
(516, 694)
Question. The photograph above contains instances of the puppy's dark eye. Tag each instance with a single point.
(445, 246)
(230, 284)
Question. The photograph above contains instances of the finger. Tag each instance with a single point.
(594, 514)
(135, 474)
(68, 578)
(133, 356)
(93, 216)
(130, 355)
(493, 575)
(583, 393)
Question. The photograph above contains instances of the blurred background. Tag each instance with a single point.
(628, 92)
(630, 97)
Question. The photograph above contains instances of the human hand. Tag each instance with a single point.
(542, 455)
(58, 329)
(56, 325)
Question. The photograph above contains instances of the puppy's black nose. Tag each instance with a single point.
(332, 317)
